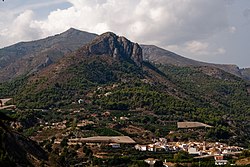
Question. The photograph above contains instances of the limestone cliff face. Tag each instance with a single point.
(117, 47)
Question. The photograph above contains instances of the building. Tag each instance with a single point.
(151, 161)
(191, 125)
(80, 101)
(104, 139)
(141, 147)
(193, 151)
(219, 160)
(115, 145)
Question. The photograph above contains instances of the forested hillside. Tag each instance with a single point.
(108, 74)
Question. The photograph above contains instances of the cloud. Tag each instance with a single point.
(22, 26)
(246, 13)
(196, 46)
(18, 21)
(202, 48)
(198, 50)
(170, 22)
(21, 29)
(221, 51)
(232, 29)
(180, 23)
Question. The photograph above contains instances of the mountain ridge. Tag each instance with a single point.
(30, 57)
(109, 74)
(107, 79)
(158, 55)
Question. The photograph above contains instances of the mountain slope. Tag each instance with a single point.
(109, 74)
(18, 150)
(29, 57)
(160, 56)
(246, 73)
(108, 58)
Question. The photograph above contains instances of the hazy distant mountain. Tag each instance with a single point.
(160, 56)
(27, 57)
(246, 73)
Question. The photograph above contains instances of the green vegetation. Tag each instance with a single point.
(194, 94)
(107, 132)
(77, 80)
(140, 95)
(143, 104)
(222, 100)
(12, 87)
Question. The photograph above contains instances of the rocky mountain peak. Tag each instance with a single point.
(71, 32)
(117, 47)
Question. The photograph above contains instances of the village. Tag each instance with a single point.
(218, 151)
(78, 131)
(199, 150)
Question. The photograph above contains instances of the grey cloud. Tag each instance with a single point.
(181, 24)
(164, 22)
(246, 13)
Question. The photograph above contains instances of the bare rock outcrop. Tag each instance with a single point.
(117, 47)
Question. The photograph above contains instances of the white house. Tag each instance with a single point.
(221, 162)
(115, 145)
(141, 147)
(193, 151)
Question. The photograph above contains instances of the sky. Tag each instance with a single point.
(215, 31)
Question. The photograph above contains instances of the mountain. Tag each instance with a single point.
(29, 57)
(109, 74)
(107, 46)
(246, 73)
(106, 80)
(160, 56)
(108, 58)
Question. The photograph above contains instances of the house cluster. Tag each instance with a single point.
(54, 125)
(200, 150)
(195, 148)
(83, 123)
(106, 89)
(100, 91)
